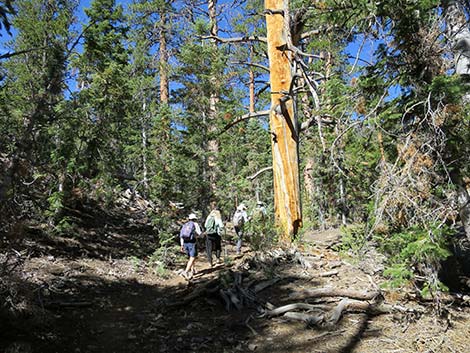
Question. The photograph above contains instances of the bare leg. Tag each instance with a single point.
(193, 267)
(190, 263)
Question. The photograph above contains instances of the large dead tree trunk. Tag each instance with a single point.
(213, 144)
(458, 33)
(144, 147)
(252, 84)
(283, 122)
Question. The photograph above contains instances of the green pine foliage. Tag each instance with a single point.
(415, 254)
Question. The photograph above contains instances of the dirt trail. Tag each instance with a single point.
(97, 301)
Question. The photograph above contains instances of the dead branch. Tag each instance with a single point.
(324, 119)
(20, 52)
(273, 12)
(263, 285)
(290, 307)
(265, 68)
(236, 39)
(311, 320)
(328, 274)
(309, 34)
(199, 292)
(251, 328)
(245, 117)
(302, 261)
(254, 176)
(226, 299)
(331, 318)
(335, 292)
(337, 312)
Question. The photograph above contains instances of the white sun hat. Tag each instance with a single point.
(241, 207)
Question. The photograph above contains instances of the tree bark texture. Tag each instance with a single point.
(283, 122)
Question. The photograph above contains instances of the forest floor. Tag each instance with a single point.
(96, 291)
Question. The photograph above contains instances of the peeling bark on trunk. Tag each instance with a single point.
(283, 122)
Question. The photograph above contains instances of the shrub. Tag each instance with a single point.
(415, 254)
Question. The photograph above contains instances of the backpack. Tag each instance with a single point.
(187, 231)
(211, 226)
(238, 219)
(258, 214)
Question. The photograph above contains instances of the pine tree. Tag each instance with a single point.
(104, 92)
(33, 100)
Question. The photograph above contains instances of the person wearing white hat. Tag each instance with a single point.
(259, 213)
(239, 219)
(188, 234)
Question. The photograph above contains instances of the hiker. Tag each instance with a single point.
(239, 219)
(189, 231)
(214, 227)
(259, 213)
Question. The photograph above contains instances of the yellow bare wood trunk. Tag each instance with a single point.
(283, 124)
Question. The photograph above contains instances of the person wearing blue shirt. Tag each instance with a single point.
(188, 234)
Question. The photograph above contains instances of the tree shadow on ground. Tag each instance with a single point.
(99, 235)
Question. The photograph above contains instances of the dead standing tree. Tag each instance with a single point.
(458, 34)
(282, 120)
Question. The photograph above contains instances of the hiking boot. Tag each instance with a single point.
(218, 261)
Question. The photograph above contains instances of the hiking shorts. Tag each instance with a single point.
(190, 249)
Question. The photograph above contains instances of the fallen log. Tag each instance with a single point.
(353, 305)
(330, 319)
(328, 273)
(290, 307)
(302, 261)
(265, 284)
(334, 292)
(199, 292)
(311, 320)
(334, 316)
(247, 294)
